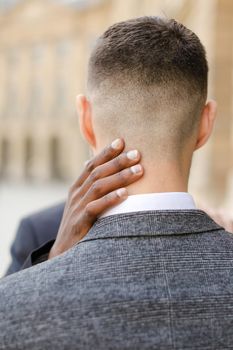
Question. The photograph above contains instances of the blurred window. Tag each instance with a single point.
(35, 100)
(5, 157)
(36, 91)
(55, 148)
(63, 51)
(11, 101)
(63, 48)
(61, 98)
(28, 157)
(10, 106)
(37, 53)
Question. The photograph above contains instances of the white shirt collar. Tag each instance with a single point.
(153, 201)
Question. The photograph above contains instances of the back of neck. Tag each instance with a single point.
(161, 178)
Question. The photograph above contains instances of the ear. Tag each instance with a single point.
(207, 122)
(85, 120)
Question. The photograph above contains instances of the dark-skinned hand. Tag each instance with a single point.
(100, 187)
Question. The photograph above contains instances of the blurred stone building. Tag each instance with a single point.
(44, 47)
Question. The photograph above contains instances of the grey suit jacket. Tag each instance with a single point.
(146, 280)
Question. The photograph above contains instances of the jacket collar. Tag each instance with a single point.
(152, 223)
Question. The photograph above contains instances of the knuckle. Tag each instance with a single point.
(89, 210)
(124, 176)
(90, 166)
(107, 151)
(75, 197)
(118, 162)
(72, 189)
(96, 188)
(71, 194)
(110, 197)
(72, 199)
(95, 175)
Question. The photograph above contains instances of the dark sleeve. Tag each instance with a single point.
(39, 255)
(25, 242)
(33, 232)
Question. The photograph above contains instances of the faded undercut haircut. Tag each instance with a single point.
(147, 79)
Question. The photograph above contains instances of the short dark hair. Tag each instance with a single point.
(153, 50)
(148, 76)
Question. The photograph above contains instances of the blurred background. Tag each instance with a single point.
(44, 48)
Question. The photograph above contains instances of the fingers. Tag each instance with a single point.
(107, 154)
(99, 206)
(108, 184)
(123, 161)
(77, 226)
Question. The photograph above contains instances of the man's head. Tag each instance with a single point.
(147, 83)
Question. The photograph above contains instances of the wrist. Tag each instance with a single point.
(53, 252)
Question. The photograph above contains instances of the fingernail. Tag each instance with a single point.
(136, 169)
(132, 154)
(122, 192)
(116, 144)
